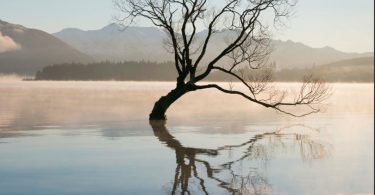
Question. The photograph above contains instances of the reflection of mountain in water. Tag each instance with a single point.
(238, 174)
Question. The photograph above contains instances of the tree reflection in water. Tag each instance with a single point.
(188, 180)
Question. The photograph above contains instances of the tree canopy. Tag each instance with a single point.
(247, 47)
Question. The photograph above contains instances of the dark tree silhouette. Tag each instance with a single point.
(247, 48)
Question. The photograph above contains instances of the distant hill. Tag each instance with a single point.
(116, 44)
(24, 50)
(352, 70)
(352, 63)
(289, 54)
(146, 43)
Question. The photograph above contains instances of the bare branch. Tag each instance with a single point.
(247, 49)
(312, 92)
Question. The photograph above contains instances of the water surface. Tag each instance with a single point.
(94, 138)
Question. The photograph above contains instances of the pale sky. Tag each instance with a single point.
(347, 25)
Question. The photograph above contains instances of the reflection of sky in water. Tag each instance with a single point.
(94, 138)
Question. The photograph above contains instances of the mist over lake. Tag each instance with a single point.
(72, 137)
(189, 97)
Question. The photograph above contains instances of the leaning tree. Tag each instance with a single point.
(246, 51)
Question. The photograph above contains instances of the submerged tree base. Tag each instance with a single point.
(157, 117)
(161, 106)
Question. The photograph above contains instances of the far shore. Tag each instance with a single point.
(171, 81)
(15, 77)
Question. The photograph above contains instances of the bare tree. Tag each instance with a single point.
(247, 48)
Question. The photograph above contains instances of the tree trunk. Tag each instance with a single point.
(161, 106)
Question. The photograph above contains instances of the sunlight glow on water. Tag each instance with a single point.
(94, 138)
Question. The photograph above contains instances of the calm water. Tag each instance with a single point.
(94, 138)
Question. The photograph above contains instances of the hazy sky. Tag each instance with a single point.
(347, 25)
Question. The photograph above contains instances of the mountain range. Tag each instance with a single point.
(146, 43)
(25, 51)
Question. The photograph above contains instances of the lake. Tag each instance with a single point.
(95, 138)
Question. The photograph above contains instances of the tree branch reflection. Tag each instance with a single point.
(188, 180)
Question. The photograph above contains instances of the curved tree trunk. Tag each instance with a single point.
(161, 106)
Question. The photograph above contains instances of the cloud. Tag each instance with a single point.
(7, 44)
